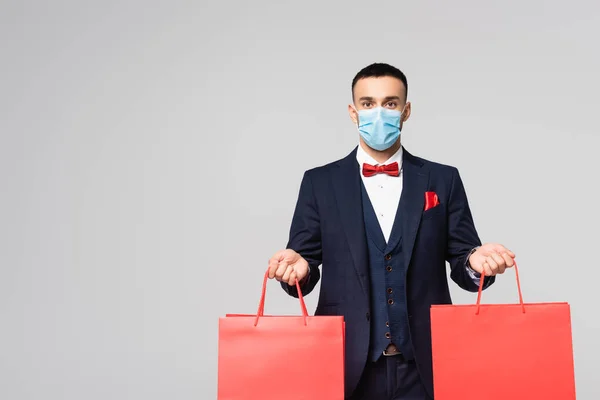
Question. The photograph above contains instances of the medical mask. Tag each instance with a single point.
(379, 127)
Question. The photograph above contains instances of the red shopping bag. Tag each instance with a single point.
(502, 351)
(264, 357)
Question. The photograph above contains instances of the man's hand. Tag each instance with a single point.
(491, 259)
(287, 266)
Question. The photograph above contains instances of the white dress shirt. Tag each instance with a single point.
(384, 192)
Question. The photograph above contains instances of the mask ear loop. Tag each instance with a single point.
(402, 117)
(356, 111)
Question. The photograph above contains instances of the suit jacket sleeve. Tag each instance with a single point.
(305, 236)
(462, 236)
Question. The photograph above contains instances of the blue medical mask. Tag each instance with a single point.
(379, 127)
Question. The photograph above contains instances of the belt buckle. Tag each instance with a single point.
(394, 352)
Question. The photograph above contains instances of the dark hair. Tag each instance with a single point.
(378, 70)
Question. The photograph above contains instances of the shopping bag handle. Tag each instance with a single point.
(261, 305)
(518, 287)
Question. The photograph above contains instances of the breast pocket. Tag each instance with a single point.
(433, 213)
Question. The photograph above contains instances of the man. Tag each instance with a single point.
(382, 223)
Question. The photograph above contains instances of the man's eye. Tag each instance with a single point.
(367, 104)
(391, 104)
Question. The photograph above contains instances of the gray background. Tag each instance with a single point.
(151, 153)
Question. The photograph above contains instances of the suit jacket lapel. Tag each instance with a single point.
(346, 184)
(412, 202)
(375, 234)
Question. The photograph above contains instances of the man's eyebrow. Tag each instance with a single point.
(369, 98)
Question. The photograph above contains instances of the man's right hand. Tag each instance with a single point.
(287, 266)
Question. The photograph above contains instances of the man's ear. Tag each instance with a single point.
(407, 110)
(353, 114)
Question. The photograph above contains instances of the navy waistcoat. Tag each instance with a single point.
(389, 323)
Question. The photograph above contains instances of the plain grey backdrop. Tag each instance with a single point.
(151, 153)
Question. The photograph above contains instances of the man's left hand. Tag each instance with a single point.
(491, 259)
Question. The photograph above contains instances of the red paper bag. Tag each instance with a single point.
(502, 351)
(264, 357)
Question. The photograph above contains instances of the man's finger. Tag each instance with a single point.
(493, 264)
(499, 261)
(287, 273)
(486, 269)
(292, 280)
(501, 249)
(508, 260)
(281, 270)
(300, 276)
(273, 264)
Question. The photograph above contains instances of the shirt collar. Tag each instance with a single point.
(363, 157)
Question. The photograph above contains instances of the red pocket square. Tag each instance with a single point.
(431, 200)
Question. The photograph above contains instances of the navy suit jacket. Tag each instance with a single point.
(328, 230)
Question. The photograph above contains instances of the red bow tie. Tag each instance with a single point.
(390, 169)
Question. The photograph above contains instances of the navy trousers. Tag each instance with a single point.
(390, 378)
